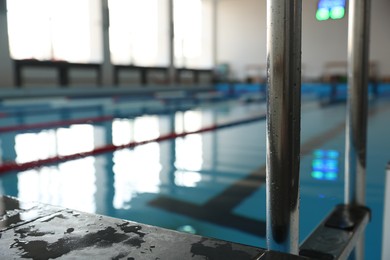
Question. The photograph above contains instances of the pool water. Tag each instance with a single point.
(210, 182)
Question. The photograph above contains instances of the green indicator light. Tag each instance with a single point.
(333, 154)
(317, 175)
(317, 164)
(337, 12)
(331, 176)
(322, 14)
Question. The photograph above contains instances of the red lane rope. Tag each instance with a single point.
(54, 124)
(13, 166)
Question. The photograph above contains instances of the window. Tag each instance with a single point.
(139, 32)
(68, 30)
(193, 25)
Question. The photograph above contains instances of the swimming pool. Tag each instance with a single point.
(210, 182)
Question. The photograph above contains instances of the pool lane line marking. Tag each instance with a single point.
(219, 210)
(24, 110)
(54, 124)
(14, 166)
(88, 120)
(217, 215)
(50, 110)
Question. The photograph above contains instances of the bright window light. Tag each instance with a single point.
(188, 30)
(44, 143)
(189, 150)
(75, 139)
(139, 32)
(71, 185)
(49, 143)
(122, 131)
(146, 128)
(136, 171)
(187, 178)
(134, 31)
(68, 30)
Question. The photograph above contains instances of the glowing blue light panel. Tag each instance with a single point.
(325, 165)
(330, 9)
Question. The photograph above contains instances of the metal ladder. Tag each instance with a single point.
(341, 234)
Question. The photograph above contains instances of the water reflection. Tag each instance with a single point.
(112, 181)
(70, 184)
(136, 170)
(122, 131)
(188, 150)
(75, 139)
(35, 146)
(325, 165)
(187, 178)
(189, 153)
(146, 168)
(48, 143)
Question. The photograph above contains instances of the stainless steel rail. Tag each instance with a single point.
(338, 235)
(386, 217)
(356, 129)
(283, 123)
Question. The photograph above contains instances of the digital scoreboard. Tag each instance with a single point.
(330, 9)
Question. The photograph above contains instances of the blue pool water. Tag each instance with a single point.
(211, 183)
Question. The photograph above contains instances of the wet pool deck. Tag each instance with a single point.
(39, 231)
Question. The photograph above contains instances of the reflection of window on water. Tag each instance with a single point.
(50, 34)
(35, 146)
(75, 139)
(188, 121)
(187, 178)
(48, 143)
(325, 165)
(122, 131)
(137, 170)
(189, 150)
(70, 184)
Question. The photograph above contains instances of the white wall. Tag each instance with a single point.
(322, 42)
(380, 35)
(242, 36)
